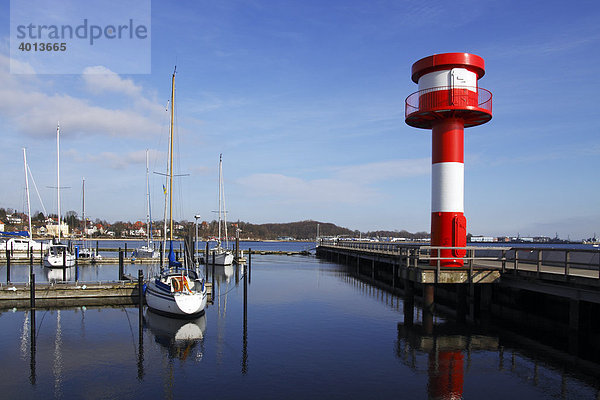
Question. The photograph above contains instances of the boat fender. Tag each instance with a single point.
(185, 282)
(176, 285)
(144, 287)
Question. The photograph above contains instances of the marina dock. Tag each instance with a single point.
(59, 294)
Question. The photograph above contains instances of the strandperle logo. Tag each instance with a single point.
(84, 31)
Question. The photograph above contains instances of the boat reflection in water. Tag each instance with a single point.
(59, 274)
(179, 336)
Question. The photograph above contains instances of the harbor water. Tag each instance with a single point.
(312, 331)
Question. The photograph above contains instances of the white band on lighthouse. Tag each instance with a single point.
(442, 80)
(447, 187)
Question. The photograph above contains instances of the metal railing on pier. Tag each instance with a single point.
(568, 262)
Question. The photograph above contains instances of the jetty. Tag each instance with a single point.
(558, 285)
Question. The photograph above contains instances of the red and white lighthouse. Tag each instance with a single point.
(449, 99)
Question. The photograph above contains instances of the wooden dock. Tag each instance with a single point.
(124, 292)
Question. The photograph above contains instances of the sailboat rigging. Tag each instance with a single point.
(176, 291)
(58, 254)
(222, 256)
(147, 251)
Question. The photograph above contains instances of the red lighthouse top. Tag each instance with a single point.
(439, 62)
(448, 89)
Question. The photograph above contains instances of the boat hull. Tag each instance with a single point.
(59, 262)
(222, 258)
(181, 305)
(146, 252)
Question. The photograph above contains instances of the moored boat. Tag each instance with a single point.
(176, 291)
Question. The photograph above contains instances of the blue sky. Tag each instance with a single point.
(305, 99)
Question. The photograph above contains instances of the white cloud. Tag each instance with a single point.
(384, 170)
(347, 185)
(291, 190)
(32, 111)
(116, 160)
(99, 79)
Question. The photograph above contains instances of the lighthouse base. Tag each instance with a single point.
(448, 229)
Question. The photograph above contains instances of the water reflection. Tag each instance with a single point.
(54, 275)
(445, 345)
(180, 337)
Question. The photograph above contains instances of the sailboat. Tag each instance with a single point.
(58, 254)
(222, 256)
(176, 291)
(18, 241)
(147, 251)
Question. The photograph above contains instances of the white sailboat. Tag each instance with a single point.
(58, 254)
(22, 243)
(222, 256)
(176, 291)
(147, 251)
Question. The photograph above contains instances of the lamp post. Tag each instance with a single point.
(196, 242)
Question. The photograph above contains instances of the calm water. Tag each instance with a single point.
(312, 332)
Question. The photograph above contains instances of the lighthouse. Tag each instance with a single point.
(449, 99)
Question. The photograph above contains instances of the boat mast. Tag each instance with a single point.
(58, 175)
(171, 157)
(147, 202)
(224, 206)
(83, 210)
(220, 196)
(27, 192)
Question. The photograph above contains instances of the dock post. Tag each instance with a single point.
(41, 254)
(64, 260)
(213, 271)
(30, 265)
(96, 247)
(245, 327)
(409, 303)
(250, 265)
(120, 264)
(372, 269)
(32, 291)
(428, 296)
(206, 255)
(245, 299)
(140, 361)
(7, 266)
(64, 271)
(237, 247)
(161, 255)
(140, 291)
(125, 249)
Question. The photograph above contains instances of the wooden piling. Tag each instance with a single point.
(121, 271)
(7, 266)
(428, 296)
(32, 291)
